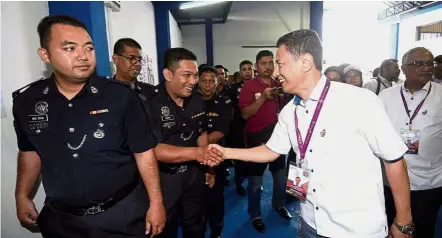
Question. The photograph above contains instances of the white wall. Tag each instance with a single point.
(135, 20)
(407, 33)
(20, 66)
(194, 39)
(175, 33)
(249, 23)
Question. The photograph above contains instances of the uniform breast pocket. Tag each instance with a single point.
(104, 133)
(43, 139)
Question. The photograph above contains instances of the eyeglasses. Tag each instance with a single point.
(134, 60)
(422, 63)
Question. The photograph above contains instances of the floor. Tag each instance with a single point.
(238, 225)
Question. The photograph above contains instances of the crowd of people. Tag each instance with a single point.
(123, 158)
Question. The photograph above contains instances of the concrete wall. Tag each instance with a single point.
(20, 66)
(248, 24)
(175, 33)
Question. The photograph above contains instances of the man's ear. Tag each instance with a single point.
(307, 62)
(44, 55)
(115, 59)
(167, 74)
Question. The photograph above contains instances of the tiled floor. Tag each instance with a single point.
(238, 225)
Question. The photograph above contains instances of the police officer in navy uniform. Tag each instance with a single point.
(128, 61)
(235, 138)
(178, 119)
(219, 114)
(89, 138)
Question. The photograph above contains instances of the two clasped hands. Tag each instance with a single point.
(211, 155)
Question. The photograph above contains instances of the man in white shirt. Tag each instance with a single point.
(342, 144)
(388, 76)
(416, 113)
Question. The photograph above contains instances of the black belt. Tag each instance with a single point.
(173, 169)
(98, 207)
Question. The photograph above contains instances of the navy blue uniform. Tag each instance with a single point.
(219, 114)
(86, 146)
(183, 184)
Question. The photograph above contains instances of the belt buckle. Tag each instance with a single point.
(182, 169)
(93, 210)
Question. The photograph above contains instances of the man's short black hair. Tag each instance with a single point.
(244, 62)
(206, 69)
(263, 53)
(303, 42)
(376, 72)
(332, 69)
(45, 26)
(121, 43)
(438, 59)
(386, 63)
(218, 66)
(173, 56)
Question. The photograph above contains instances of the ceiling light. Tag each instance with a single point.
(197, 4)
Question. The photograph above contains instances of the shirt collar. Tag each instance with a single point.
(425, 88)
(315, 94)
(385, 81)
(93, 85)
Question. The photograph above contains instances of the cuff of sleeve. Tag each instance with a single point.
(144, 147)
(397, 155)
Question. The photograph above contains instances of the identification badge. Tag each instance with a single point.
(297, 182)
(411, 139)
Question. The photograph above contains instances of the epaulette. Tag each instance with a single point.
(22, 89)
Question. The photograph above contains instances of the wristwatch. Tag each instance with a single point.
(406, 229)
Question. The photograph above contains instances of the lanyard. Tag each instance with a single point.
(304, 144)
(418, 108)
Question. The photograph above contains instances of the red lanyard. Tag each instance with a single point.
(304, 144)
(418, 108)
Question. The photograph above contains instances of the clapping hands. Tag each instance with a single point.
(211, 155)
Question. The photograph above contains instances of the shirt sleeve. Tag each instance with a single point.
(379, 131)
(246, 97)
(22, 139)
(140, 137)
(279, 142)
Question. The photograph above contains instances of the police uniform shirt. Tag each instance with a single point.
(86, 144)
(233, 94)
(140, 87)
(174, 125)
(345, 194)
(219, 114)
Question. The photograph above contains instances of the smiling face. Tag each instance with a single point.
(288, 71)
(70, 52)
(183, 79)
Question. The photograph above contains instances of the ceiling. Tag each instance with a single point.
(217, 12)
(398, 7)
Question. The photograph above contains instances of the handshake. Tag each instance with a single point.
(211, 155)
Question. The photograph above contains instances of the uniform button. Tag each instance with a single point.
(317, 208)
(71, 129)
(312, 170)
(412, 98)
(75, 155)
(37, 131)
(70, 105)
(406, 124)
(306, 111)
(210, 119)
(311, 150)
(101, 124)
(314, 190)
(184, 124)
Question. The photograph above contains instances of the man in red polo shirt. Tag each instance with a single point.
(260, 101)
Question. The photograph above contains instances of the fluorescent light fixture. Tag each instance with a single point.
(197, 4)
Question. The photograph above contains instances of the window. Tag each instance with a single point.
(430, 31)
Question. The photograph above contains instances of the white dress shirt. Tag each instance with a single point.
(372, 84)
(425, 168)
(345, 195)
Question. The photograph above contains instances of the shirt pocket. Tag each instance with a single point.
(43, 139)
(103, 133)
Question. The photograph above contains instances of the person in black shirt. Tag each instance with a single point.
(219, 114)
(235, 138)
(179, 122)
(128, 61)
(90, 140)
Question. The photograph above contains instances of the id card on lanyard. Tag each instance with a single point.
(409, 135)
(299, 175)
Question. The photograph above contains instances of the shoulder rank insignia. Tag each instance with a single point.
(22, 89)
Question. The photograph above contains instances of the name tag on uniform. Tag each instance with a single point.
(297, 182)
(411, 139)
(38, 118)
